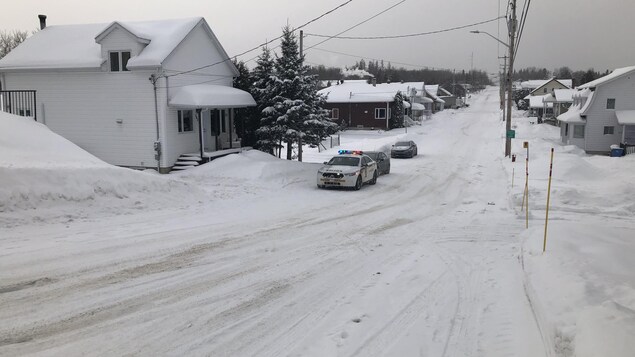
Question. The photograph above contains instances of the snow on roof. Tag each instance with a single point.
(564, 95)
(536, 101)
(625, 117)
(445, 92)
(74, 46)
(357, 92)
(572, 115)
(615, 74)
(210, 96)
(418, 106)
(536, 83)
(164, 36)
(69, 46)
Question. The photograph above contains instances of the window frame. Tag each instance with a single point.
(121, 66)
(180, 118)
(577, 135)
(378, 111)
(610, 103)
(609, 130)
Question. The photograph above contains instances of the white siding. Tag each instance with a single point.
(119, 40)
(623, 90)
(196, 50)
(84, 106)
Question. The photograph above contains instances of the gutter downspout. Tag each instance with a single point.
(387, 115)
(157, 143)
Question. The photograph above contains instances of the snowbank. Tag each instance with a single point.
(44, 176)
(583, 287)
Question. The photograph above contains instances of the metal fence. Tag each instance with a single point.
(19, 102)
(329, 143)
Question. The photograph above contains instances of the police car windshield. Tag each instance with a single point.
(344, 161)
(402, 143)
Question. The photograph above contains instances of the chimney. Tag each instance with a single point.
(42, 21)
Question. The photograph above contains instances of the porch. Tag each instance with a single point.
(213, 110)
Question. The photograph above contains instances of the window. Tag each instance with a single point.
(578, 131)
(566, 130)
(609, 130)
(119, 61)
(335, 113)
(185, 121)
(380, 113)
(610, 103)
(544, 90)
(222, 121)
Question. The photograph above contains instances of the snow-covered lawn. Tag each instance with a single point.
(244, 256)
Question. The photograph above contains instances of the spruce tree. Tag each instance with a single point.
(299, 108)
(246, 121)
(397, 118)
(263, 89)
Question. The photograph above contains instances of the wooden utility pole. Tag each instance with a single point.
(510, 71)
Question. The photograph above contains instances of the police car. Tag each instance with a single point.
(348, 169)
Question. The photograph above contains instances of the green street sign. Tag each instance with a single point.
(511, 134)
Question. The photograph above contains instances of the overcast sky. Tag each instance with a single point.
(577, 33)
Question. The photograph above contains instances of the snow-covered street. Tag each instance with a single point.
(244, 256)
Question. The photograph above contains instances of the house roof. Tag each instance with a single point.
(564, 95)
(571, 116)
(614, 75)
(536, 101)
(76, 46)
(625, 117)
(357, 92)
(567, 83)
(210, 96)
(536, 83)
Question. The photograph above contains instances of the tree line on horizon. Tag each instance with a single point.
(386, 73)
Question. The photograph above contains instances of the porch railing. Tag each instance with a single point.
(19, 102)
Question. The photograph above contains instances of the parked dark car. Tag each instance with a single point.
(404, 149)
(382, 160)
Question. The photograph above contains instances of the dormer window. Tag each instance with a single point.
(119, 61)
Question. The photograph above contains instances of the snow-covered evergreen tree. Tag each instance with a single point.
(397, 118)
(264, 89)
(299, 109)
(246, 121)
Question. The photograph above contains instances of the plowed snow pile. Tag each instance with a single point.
(41, 170)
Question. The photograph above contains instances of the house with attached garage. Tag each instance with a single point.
(136, 94)
(602, 114)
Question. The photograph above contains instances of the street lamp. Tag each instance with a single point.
(510, 47)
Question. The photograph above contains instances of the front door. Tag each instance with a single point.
(629, 134)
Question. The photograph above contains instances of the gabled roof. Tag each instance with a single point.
(77, 46)
(559, 81)
(536, 83)
(610, 77)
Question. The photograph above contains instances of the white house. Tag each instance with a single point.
(122, 89)
(602, 114)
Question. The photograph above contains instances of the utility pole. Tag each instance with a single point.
(503, 77)
(510, 71)
(301, 64)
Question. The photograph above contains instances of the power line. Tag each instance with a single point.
(522, 24)
(404, 36)
(262, 44)
(358, 24)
